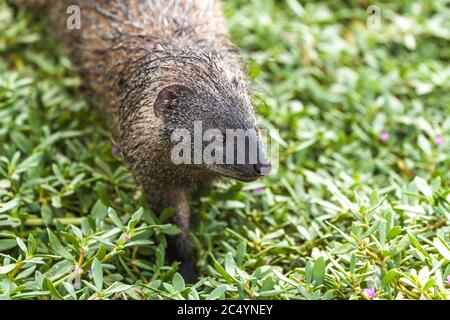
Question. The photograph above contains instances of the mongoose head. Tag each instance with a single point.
(209, 119)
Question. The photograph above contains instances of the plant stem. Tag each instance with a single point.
(37, 222)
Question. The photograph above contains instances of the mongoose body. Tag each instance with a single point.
(158, 65)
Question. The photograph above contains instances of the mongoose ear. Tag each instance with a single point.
(168, 98)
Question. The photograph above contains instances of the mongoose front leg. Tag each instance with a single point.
(179, 247)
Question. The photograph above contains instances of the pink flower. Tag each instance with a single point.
(370, 293)
(439, 140)
(448, 279)
(258, 190)
(115, 150)
(384, 136)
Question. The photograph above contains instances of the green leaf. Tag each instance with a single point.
(7, 244)
(430, 283)
(166, 214)
(170, 229)
(217, 293)
(442, 247)
(319, 271)
(284, 278)
(178, 282)
(99, 211)
(394, 232)
(118, 287)
(59, 269)
(221, 270)
(388, 277)
(22, 245)
(9, 205)
(7, 269)
(352, 263)
(240, 252)
(115, 218)
(46, 214)
(53, 291)
(309, 272)
(25, 273)
(423, 186)
(70, 290)
(31, 244)
(230, 266)
(31, 162)
(97, 274)
(416, 244)
(57, 247)
(139, 243)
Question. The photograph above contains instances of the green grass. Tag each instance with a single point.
(350, 209)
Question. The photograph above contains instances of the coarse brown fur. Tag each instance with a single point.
(159, 65)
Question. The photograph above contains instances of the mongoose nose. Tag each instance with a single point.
(262, 169)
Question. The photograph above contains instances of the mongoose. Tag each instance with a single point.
(157, 66)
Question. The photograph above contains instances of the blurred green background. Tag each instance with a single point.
(359, 208)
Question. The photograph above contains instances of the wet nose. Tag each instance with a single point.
(262, 169)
